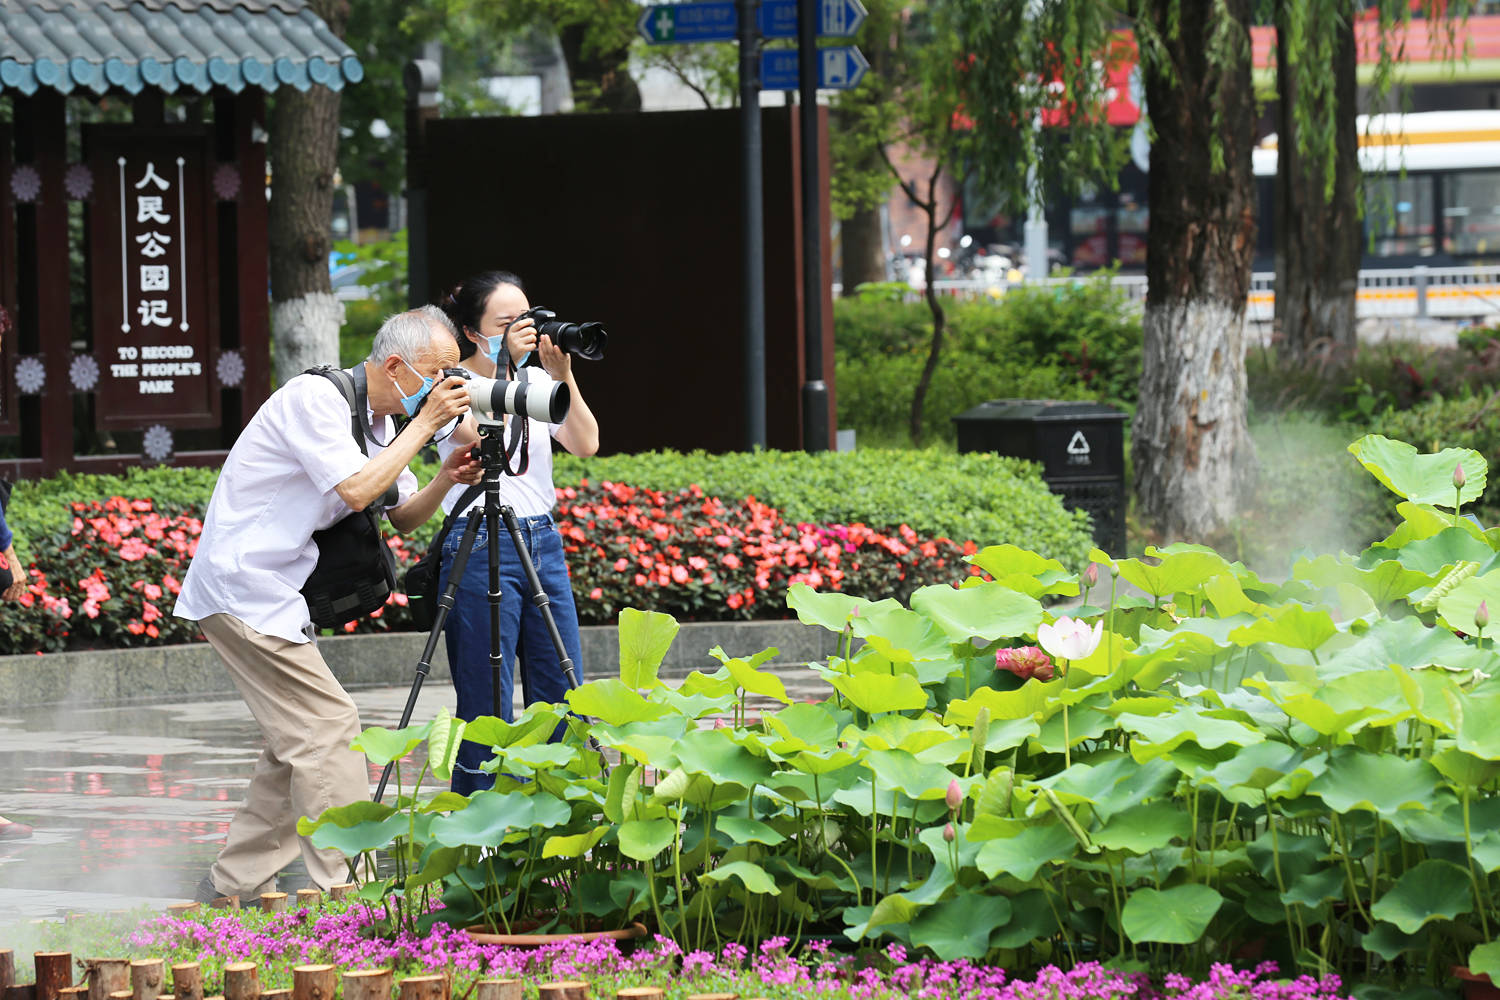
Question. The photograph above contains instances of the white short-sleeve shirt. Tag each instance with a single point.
(278, 487)
(527, 495)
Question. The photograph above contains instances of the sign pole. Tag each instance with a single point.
(815, 389)
(752, 227)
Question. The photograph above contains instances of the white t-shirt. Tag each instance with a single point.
(277, 488)
(527, 495)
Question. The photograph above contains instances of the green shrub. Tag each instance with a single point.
(1069, 342)
(975, 497)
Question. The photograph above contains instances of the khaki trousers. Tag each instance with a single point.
(308, 720)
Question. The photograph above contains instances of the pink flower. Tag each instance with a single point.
(1025, 662)
(1458, 476)
(955, 796)
(1091, 574)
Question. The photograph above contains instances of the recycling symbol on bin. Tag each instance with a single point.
(1078, 449)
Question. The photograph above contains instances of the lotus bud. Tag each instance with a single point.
(1091, 574)
(949, 833)
(1458, 476)
(1482, 615)
(955, 795)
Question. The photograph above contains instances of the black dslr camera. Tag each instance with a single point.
(586, 340)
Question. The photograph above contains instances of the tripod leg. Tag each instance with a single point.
(539, 595)
(497, 662)
(440, 618)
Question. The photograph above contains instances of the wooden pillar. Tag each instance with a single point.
(241, 981)
(371, 984)
(252, 222)
(273, 902)
(7, 968)
(567, 989)
(424, 988)
(146, 978)
(42, 119)
(639, 993)
(507, 989)
(106, 976)
(178, 909)
(343, 890)
(310, 898)
(187, 981)
(314, 982)
(54, 969)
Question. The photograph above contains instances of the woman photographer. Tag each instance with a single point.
(485, 309)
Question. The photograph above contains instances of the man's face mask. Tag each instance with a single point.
(410, 403)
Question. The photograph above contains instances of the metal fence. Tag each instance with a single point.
(1407, 293)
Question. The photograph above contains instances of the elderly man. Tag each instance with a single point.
(297, 469)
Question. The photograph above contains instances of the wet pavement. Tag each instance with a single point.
(130, 804)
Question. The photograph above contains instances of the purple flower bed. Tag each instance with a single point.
(771, 969)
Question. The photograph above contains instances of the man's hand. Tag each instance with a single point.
(448, 400)
(463, 467)
(18, 584)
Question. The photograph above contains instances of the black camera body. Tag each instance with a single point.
(586, 340)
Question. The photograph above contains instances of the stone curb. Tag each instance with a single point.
(122, 676)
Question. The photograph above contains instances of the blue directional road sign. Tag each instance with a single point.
(836, 18)
(703, 21)
(839, 68)
(718, 21)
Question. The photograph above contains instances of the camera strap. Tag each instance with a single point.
(355, 392)
(519, 445)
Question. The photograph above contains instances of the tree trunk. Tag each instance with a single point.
(303, 149)
(934, 306)
(863, 251)
(1191, 446)
(1318, 239)
(601, 78)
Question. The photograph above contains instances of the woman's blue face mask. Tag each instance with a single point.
(493, 346)
(410, 403)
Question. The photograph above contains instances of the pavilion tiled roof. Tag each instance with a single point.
(169, 45)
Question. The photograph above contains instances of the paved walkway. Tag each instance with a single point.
(130, 804)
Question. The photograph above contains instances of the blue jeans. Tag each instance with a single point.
(523, 633)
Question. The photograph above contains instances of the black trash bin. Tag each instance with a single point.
(1080, 446)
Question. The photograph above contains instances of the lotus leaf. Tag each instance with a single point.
(1024, 854)
(1316, 888)
(831, 610)
(1384, 583)
(1478, 717)
(1160, 734)
(745, 831)
(1030, 699)
(1178, 915)
(752, 876)
(614, 704)
(382, 746)
(645, 637)
(1421, 478)
(1484, 960)
(624, 786)
(1387, 941)
(443, 740)
(875, 693)
(988, 611)
(710, 753)
(574, 846)
(1112, 785)
(960, 926)
(1025, 571)
(694, 706)
(902, 771)
(1458, 605)
(492, 816)
(1143, 828)
(1449, 547)
(1430, 890)
(1291, 625)
(898, 732)
(1178, 572)
(649, 742)
(535, 725)
(644, 839)
(810, 727)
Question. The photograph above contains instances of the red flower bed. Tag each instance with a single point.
(701, 558)
(112, 580)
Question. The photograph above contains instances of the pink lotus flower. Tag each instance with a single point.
(1025, 662)
(955, 796)
(1070, 638)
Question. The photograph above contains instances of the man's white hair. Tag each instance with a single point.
(409, 334)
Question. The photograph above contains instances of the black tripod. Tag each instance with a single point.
(490, 446)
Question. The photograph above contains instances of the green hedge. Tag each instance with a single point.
(978, 497)
(1070, 342)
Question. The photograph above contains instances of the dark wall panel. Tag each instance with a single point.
(633, 220)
